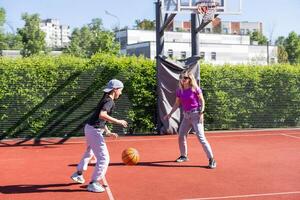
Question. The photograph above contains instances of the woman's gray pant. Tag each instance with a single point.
(192, 120)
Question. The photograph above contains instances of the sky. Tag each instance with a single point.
(279, 19)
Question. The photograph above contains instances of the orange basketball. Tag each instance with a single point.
(130, 156)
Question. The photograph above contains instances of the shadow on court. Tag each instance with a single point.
(166, 163)
(19, 189)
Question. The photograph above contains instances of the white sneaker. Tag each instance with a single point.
(95, 187)
(212, 164)
(77, 178)
(182, 159)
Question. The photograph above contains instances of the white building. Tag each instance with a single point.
(214, 48)
(57, 36)
(17, 53)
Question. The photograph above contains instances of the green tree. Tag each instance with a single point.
(33, 38)
(259, 37)
(3, 44)
(13, 41)
(280, 41)
(145, 24)
(282, 55)
(292, 47)
(91, 39)
(2, 17)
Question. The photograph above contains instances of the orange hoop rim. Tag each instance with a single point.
(202, 9)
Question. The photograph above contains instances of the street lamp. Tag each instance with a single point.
(118, 25)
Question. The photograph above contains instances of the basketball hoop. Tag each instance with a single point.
(207, 8)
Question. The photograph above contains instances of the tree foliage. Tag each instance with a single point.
(2, 16)
(259, 37)
(92, 39)
(13, 41)
(2, 36)
(33, 38)
(282, 55)
(289, 48)
(145, 24)
(292, 46)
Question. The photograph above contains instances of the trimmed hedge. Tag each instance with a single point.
(251, 96)
(53, 96)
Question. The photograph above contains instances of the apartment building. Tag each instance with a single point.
(57, 36)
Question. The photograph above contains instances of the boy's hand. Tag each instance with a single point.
(110, 134)
(123, 123)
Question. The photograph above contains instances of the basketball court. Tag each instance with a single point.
(251, 165)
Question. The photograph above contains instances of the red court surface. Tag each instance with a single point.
(252, 165)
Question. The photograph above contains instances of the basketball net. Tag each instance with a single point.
(207, 8)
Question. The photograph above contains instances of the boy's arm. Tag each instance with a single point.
(109, 133)
(104, 116)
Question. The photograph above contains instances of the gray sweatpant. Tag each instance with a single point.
(95, 146)
(192, 119)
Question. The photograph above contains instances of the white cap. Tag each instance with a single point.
(113, 84)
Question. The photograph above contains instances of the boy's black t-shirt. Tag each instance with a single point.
(106, 104)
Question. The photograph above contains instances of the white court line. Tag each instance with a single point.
(173, 137)
(292, 136)
(246, 196)
(109, 193)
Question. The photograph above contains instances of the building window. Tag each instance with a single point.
(202, 55)
(207, 30)
(183, 54)
(225, 30)
(170, 53)
(242, 31)
(272, 61)
(213, 55)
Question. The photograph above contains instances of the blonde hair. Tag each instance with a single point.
(193, 82)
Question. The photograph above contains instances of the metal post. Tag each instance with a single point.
(159, 51)
(194, 34)
(118, 20)
(159, 31)
(195, 25)
(268, 54)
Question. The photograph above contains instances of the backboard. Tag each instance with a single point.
(225, 7)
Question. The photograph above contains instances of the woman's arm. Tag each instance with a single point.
(174, 108)
(202, 101)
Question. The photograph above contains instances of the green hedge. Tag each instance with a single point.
(53, 96)
(251, 96)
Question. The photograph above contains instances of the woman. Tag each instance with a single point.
(189, 96)
(94, 131)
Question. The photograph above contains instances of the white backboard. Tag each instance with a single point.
(226, 7)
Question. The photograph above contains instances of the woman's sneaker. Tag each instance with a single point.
(212, 163)
(77, 178)
(182, 159)
(95, 187)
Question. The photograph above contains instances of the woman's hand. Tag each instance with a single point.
(201, 120)
(167, 116)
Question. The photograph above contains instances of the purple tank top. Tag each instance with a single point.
(189, 98)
